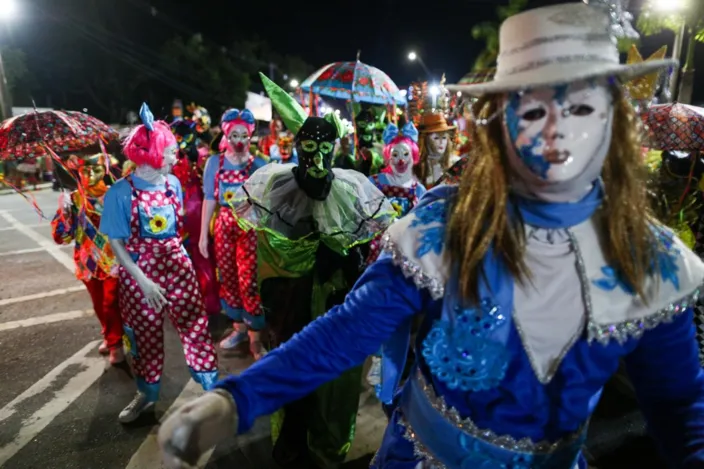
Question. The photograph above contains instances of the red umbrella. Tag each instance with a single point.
(675, 127)
(26, 136)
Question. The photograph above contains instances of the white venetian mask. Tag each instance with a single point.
(170, 157)
(558, 138)
(437, 143)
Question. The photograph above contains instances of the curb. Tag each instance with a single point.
(40, 187)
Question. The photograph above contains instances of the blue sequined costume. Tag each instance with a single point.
(489, 410)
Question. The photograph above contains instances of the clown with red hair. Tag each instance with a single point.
(235, 249)
(142, 218)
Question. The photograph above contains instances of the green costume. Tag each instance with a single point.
(313, 224)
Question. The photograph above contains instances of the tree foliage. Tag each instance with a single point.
(20, 81)
(488, 32)
(652, 22)
(210, 75)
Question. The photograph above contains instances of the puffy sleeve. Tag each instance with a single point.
(209, 174)
(669, 382)
(176, 184)
(381, 301)
(115, 220)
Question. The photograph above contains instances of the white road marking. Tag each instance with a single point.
(48, 245)
(21, 251)
(48, 319)
(148, 454)
(94, 367)
(45, 382)
(34, 225)
(40, 296)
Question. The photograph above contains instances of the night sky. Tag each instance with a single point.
(319, 32)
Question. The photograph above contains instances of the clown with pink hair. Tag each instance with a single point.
(142, 218)
(235, 249)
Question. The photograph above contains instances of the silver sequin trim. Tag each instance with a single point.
(419, 450)
(564, 59)
(507, 442)
(634, 329)
(589, 38)
(412, 270)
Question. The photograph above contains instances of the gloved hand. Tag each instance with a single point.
(65, 202)
(153, 294)
(196, 427)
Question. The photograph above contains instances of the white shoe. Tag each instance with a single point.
(134, 409)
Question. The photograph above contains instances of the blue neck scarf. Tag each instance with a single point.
(496, 293)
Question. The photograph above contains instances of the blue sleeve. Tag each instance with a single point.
(669, 382)
(209, 174)
(115, 220)
(379, 303)
(294, 157)
(420, 190)
(176, 184)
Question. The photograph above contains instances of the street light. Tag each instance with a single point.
(8, 9)
(412, 56)
(294, 83)
(669, 6)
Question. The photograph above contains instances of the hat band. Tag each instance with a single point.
(591, 39)
(563, 59)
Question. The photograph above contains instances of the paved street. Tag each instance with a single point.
(59, 399)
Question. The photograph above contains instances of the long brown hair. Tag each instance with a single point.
(479, 215)
(422, 170)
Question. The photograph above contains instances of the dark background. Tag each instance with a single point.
(74, 47)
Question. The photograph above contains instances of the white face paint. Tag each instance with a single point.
(557, 132)
(238, 138)
(170, 157)
(401, 159)
(437, 143)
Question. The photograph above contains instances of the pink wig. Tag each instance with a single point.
(230, 119)
(415, 152)
(147, 147)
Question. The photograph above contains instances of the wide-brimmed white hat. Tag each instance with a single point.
(555, 45)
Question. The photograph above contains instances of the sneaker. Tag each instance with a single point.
(374, 374)
(117, 355)
(134, 409)
(257, 349)
(233, 340)
(103, 348)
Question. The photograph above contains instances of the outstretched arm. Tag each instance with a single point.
(669, 382)
(380, 303)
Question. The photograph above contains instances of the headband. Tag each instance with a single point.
(392, 131)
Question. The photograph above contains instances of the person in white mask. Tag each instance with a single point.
(536, 277)
(142, 218)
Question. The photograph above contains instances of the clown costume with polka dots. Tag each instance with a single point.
(235, 249)
(142, 217)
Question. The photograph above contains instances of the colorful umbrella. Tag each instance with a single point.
(675, 127)
(26, 136)
(355, 81)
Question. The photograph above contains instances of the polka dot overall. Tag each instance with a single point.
(164, 261)
(236, 253)
(405, 197)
